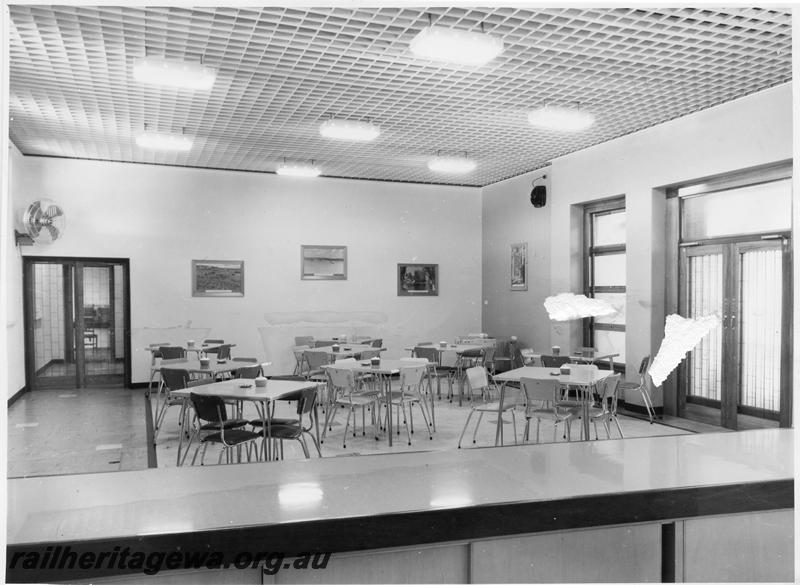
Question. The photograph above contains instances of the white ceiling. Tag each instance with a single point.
(281, 71)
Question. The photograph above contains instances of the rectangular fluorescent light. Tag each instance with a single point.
(354, 130)
(157, 141)
(560, 118)
(456, 46)
(298, 170)
(173, 73)
(451, 164)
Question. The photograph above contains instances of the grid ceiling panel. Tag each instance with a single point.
(282, 71)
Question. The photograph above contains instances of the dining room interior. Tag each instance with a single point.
(472, 313)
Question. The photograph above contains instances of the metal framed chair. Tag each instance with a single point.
(643, 387)
(344, 392)
(439, 371)
(554, 361)
(608, 389)
(408, 395)
(314, 361)
(170, 380)
(210, 410)
(284, 429)
(478, 380)
(304, 340)
(541, 402)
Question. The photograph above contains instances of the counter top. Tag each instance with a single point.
(453, 494)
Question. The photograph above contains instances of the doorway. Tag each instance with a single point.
(77, 322)
(735, 262)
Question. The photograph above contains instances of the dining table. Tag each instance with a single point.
(347, 350)
(238, 390)
(383, 372)
(575, 356)
(195, 366)
(585, 383)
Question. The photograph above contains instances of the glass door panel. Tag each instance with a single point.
(704, 284)
(760, 285)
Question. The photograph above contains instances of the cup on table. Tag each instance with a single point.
(442, 344)
(335, 347)
(565, 370)
(556, 350)
(261, 382)
(375, 362)
(190, 343)
(204, 362)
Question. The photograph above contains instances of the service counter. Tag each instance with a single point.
(707, 507)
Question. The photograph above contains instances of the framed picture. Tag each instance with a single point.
(217, 278)
(417, 280)
(519, 266)
(323, 262)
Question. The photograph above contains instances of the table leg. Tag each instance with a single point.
(386, 382)
(182, 418)
(499, 430)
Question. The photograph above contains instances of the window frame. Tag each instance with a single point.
(590, 251)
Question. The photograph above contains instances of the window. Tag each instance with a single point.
(605, 275)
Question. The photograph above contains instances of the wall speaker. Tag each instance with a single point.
(539, 196)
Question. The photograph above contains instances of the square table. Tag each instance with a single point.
(548, 374)
(240, 389)
(346, 350)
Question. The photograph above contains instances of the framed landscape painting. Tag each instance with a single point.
(417, 280)
(519, 266)
(217, 278)
(323, 262)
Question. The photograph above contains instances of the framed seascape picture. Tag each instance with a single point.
(217, 278)
(417, 280)
(323, 262)
(519, 266)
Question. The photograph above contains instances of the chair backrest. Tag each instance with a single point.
(224, 352)
(171, 352)
(424, 343)
(411, 376)
(326, 343)
(539, 390)
(582, 373)
(304, 340)
(429, 353)
(209, 408)
(175, 379)
(377, 343)
(472, 353)
(477, 378)
(155, 348)
(201, 382)
(246, 359)
(250, 372)
(213, 341)
(608, 387)
(369, 354)
(315, 359)
(290, 377)
(343, 379)
(644, 366)
(554, 361)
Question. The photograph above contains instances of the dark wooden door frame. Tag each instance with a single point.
(28, 309)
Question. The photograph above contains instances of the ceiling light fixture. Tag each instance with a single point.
(298, 170)
(349, 130)
(159, 141)
(561, 118)
(172, 73)
(454, 165)
(455, 46)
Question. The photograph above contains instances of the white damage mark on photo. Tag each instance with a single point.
(569, 306)
(681, 334)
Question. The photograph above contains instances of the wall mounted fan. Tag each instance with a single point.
(42, 222)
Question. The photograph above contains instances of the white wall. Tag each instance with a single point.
(752, 131)
(509, 218)
(163, 217)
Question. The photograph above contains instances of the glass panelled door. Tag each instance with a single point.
(76, 323)
(741, 368)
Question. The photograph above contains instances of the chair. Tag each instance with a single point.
(198, 428)
(326, 343)
(314, 361)
(155, 368)
(377, 343)
(252, 371)
(438, 370)
(608, 389)
(478, 379)
(554, 361)
(426, 383)
(212, 342)
(545, 393)
(304, 340)
(299, 362)
(283, 429)
(344, 392)
(170, 380)
(410, 394)
(223, 352)
(467, 359)
(210, 410)
(643, 387)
